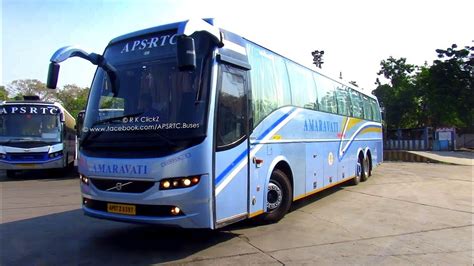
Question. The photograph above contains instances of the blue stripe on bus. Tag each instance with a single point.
(245, 152)
(265, 133)
(231, 166)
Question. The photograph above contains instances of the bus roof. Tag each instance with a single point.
(46, 103)
(227, 34)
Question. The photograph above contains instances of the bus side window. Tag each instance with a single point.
(303, 87)
(376, 110)
(357, 104)
(231, 108)
(343, 101)
(326, 96)
(368, 112)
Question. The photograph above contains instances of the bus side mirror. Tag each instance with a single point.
(53, 73)
(79, 123)
(186, 53)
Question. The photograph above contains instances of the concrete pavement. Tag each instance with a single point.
(451, 157)
(406, 213)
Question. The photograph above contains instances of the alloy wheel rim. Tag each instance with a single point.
(274, 196)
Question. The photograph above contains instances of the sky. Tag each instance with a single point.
(355, 35)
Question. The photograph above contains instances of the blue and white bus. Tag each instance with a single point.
(214, 129)
(35, 134)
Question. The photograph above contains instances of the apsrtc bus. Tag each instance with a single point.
(35, 134)
(215, 129)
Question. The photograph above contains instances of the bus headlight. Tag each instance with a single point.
(3, 156)
(84, 179)
(55, 154)
(179, 182)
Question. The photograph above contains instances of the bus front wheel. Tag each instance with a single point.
(279, 197)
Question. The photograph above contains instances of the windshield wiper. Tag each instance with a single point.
(21, 140)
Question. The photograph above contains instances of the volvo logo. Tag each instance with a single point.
(26, 150)
(118, 186)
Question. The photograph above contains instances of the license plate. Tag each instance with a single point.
(121, 208)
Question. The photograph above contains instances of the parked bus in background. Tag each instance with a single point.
(35, 135)
(214, 129)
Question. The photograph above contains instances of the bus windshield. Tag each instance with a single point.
(29, 127)
(147, 102)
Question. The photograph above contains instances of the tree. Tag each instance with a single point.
(73, 98)
(448, 88)
(440, 95)
(25, 87)
(3, 93)
(399, 96)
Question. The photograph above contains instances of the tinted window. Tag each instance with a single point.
(231, 109)
(270, 85)
(325, 89)
(357, 105)
(368, 112)
(375, 110)
(303, 89)
(343, 100)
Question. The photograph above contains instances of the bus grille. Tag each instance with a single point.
(37, 156)
(126, 186)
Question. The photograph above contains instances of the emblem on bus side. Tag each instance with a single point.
(330, 158)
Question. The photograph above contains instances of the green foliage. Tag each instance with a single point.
(21, 87)
(440, 95)
(72, 97)
(399, 97)
(3, 93)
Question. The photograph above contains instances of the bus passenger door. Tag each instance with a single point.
(231, 146)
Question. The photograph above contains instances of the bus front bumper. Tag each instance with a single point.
(33, 165)
(153, 206)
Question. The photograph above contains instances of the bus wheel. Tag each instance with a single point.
(356, 180)
(279, 197)
(365, 169)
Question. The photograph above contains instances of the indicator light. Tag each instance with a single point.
(179, 182)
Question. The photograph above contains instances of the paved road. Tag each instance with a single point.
(407, 213)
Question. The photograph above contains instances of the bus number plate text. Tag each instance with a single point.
(121, 209)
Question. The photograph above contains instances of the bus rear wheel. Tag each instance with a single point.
(279, 197)
(358, 177)
(365, 169)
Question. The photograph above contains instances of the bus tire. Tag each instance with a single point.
(365, 169)
(358, 177)
(279, 197)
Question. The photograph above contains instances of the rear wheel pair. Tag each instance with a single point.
(363, 170)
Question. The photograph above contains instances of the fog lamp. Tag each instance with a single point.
(175, 210)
